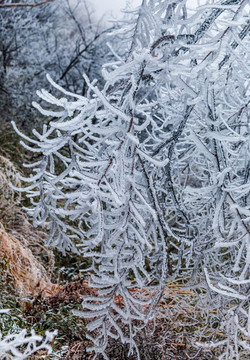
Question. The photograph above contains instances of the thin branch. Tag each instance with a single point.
(23, 4)
(75, 59)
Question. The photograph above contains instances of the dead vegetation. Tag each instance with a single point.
(29, 275)
(18, 237)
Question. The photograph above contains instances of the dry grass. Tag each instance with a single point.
(18, 237)
(29, 275)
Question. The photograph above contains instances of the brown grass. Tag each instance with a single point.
(18, 237)
(29, 275)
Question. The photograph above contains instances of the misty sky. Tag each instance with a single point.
(114, 6)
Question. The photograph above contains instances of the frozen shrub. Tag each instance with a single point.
(153, 182)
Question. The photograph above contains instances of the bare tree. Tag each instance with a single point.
(58, 38)
(7, 4)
